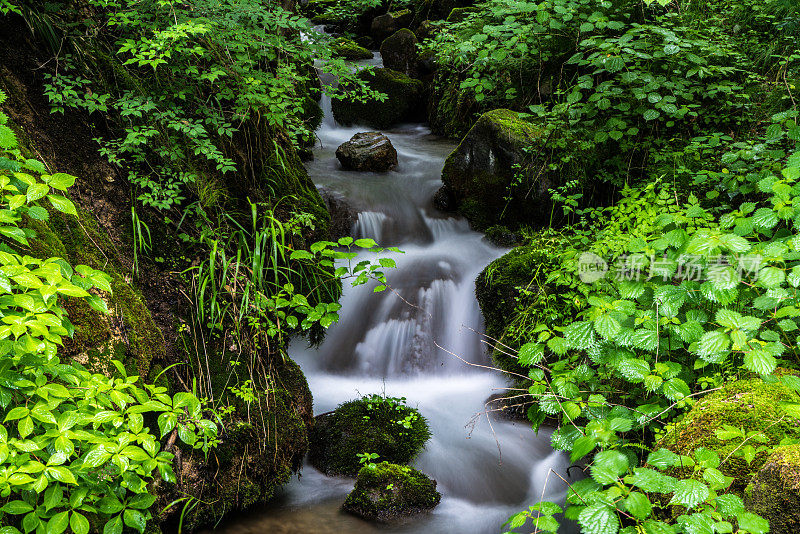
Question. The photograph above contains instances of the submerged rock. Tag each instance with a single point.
(774, 493)
(385, 25)
(373, 424)
(367, 151)
(399, 52)
(491, 177)
(405, 101)
(388, 492)
(349, 49)
(750, 405)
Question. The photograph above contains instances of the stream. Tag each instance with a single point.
(486, 468)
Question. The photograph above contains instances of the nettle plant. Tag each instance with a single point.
(74, 445)
(652, 336)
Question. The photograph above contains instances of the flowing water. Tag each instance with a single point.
(486, 469)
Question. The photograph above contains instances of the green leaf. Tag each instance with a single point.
(580, 335)
(17, 507)
(582, 446)
(638, 505)
(62, 204)
(530, 354)
(113, 526)
(78, 523)
(58, 523)
(135, 519)
(607, 326)
(760, 361)
(598, 519)
(714, 345)
(663, 458)
(689, 493)
(608, 466)
(752, 523)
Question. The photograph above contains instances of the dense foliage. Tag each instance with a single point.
(73, 442)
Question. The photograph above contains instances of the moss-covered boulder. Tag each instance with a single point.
(461, 14)
(384, 426)
(349, 49)
(399, 52)
(404, 102)
(389, 492)
(747, 404)
(774, 493)
(385, 25)
(263, 443)
(497, 160)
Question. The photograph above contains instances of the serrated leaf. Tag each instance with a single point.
(598, 519)
(689, 493)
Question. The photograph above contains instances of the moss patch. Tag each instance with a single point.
(774, 493)
(493, 176)
(388, 492)
(349, 49)
(372, 424)
(749, 404)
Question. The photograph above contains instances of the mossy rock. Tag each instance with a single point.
(263, 443)
(349, 49)
(389, 492)
(461, 14)
(452, 111)
(385, 25)
(749, 404)
(404, 102)
(495, 159)
(372, 424)
(514, 297)
(774, 493)
(399, 52)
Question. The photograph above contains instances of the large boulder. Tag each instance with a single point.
(373, 424)
(399, 52)
(491, 177)
(385, 25)
(367, 151)
(348, 49)
(774, 493)
(388, 492)
(751, 405)
(405, 101)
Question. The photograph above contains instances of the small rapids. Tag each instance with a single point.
(486, 469)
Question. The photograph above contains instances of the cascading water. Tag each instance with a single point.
(385, 344)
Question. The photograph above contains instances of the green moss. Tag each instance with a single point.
(372, 424)
(749, 404)
(403, 102)
(260, 448)
(492, 177)
(460, 14)
(388, 491)
(349, 49)
(774, 493)
(129, 332)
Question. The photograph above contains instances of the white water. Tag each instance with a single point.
(485, 472)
